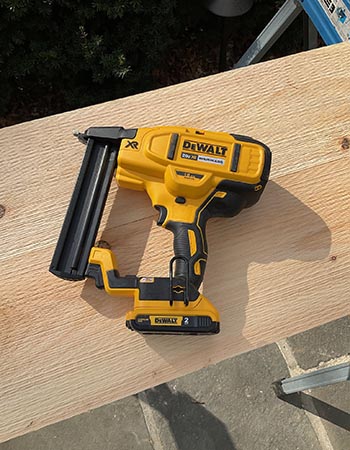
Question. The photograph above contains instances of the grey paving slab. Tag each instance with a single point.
(231, 406)
(118, 426)
(332, 403)
(329, 341)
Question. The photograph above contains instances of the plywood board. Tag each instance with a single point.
(277, 269)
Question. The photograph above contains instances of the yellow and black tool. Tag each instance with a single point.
(190, 175)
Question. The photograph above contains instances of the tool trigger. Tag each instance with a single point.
(162, 214)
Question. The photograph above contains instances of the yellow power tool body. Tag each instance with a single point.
(190, 176)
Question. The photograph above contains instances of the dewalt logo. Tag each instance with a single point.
(202, 147)
(165, 320)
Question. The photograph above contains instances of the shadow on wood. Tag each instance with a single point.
(280, 227)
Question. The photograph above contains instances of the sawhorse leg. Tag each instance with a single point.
(273, 30)
(317, 378)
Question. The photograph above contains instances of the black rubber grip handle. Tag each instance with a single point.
(220, 203)
(190, 243)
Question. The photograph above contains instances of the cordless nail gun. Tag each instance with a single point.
(190, 175)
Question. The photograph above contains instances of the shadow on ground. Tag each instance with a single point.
(189, 420)
(319, 408)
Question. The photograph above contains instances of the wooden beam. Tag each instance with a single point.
(277, 269)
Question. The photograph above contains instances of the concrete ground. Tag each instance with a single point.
(228, 406)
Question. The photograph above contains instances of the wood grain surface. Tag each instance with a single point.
(277, 269)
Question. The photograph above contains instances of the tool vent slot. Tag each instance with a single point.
(235, 158)
(172, 146)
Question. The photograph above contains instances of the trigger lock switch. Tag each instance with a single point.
(162, 214)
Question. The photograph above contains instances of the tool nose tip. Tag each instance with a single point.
(81, 136)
